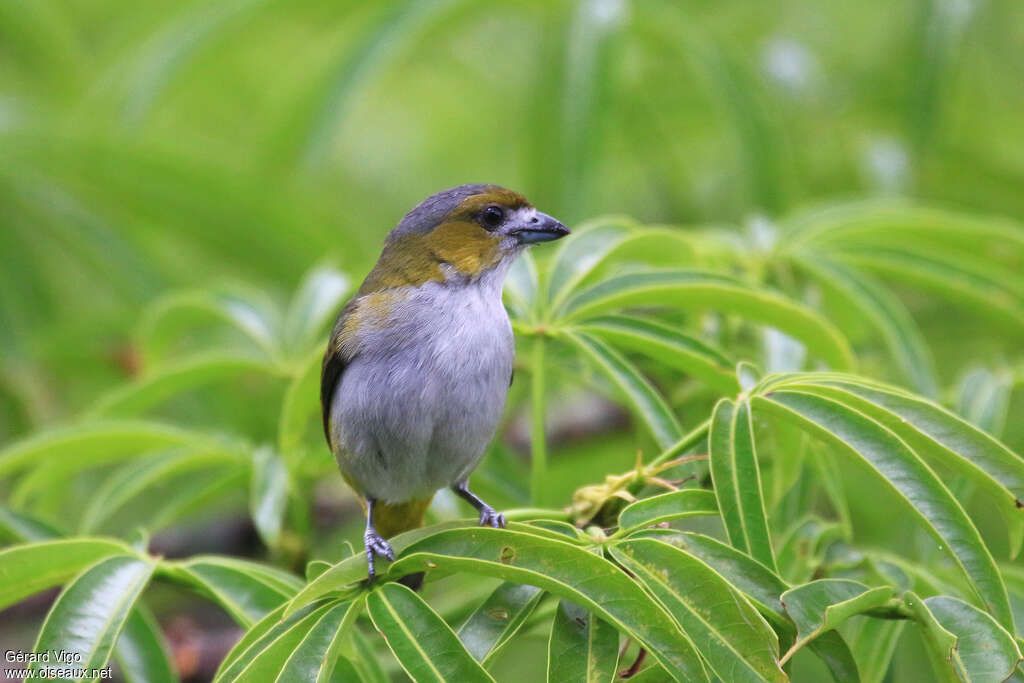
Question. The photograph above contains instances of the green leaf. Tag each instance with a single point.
(168, 380)
(832, 649)
(762, 587)
(42, 486)
(301, 404)
(564, 530)
(737, 480)
(352, 570)
(268, 495)
(43, 34)
(134, 477)
(312, 121)
(315, 568)
(248, 312)
(345, 670)
(1013, 574)
(569, 572)
(886, 313)
(538, 415)
(266, 652)
(734, 639)
(246, 590)
(569, 110)
(583, 251)
(27, 569)
(98, 441)
(667, 507)
(823, 605)
(698, 290)
(89, 614)
(804, 547)
(899, 223)
(983, 398)
(314, 657)
(273, 620)
(192, 495)
(315, 303)
(651, 674)
(349, 573)
(644, 398)
(873, 642)
(900, 469)
(982, 286)
(938, 435)
(758, 583)
(968, 644)
(655, 246)
(365, 660)
(906, 575)
(668, 346)
(20, 527)
(780, 353)
(521, 286)
(165, 54)
(493, 623)
(423, 643)
(832, 482)
(187, 213)
(748, 374)
(142, 651)
(581, 648)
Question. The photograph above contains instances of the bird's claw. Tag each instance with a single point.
(376, 546)
(490, 517)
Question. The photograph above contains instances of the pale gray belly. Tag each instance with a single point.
(416, 413)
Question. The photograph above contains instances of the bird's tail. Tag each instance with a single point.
(390, 519)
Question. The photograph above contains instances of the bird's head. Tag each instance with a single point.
(461, 235)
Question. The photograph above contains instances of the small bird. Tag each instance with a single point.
(420, 360)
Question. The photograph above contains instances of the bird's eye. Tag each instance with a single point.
(492, 216)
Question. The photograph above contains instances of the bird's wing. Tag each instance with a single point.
(335, 362)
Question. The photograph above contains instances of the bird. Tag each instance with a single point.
(419, 362)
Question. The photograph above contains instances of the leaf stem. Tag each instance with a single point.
(699, 432)
(538, 443)
(893, 609)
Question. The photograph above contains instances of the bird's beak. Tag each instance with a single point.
(541, 228)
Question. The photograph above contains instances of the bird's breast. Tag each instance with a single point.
(426, 389)
(466, 357)
(461, 334)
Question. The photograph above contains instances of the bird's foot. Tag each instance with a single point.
(490, 517)
(376, 546)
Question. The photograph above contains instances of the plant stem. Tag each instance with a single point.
(698, 433)
(528, 514)
(538, 443)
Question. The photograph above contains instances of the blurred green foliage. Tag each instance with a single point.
(189, 191)
(150, 147)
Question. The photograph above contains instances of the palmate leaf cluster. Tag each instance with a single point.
(827, 403)
(732, 554)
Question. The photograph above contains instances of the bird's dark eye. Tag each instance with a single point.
(492, 216)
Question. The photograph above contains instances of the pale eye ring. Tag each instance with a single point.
(492, 217)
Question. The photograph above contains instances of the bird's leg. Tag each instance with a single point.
(374, 542)
(488, 515)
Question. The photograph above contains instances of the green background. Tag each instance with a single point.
(226, 148)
